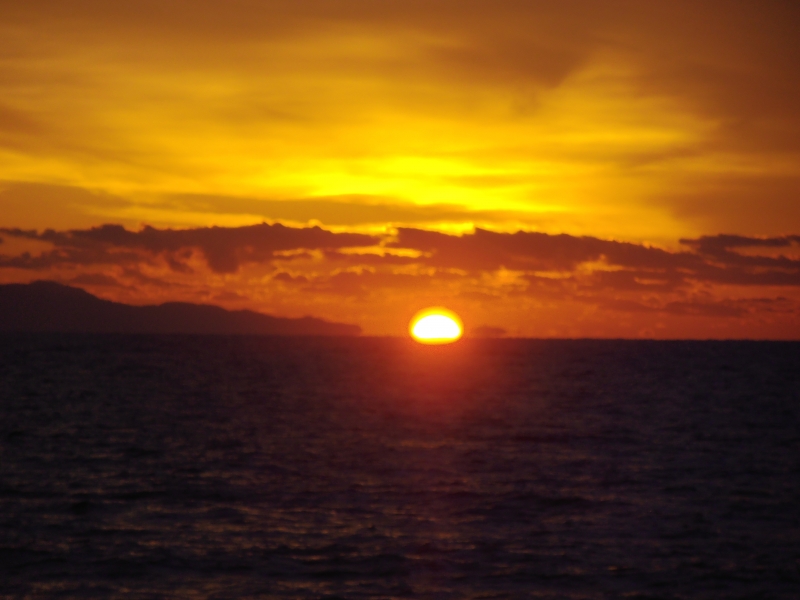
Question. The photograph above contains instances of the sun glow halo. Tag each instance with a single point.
(436, 326)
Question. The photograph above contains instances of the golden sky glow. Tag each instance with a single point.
(616, 121)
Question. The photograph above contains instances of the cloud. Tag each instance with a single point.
(534, 251)
(369, 278)
(636, 280)
(638, 266)
(725, 265)
(582, 260)
(716, 245)
(225, 249)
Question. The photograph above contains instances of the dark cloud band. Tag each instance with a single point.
(709, 259)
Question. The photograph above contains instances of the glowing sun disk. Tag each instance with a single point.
(435, 326)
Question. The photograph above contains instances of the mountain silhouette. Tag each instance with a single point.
(47, 306)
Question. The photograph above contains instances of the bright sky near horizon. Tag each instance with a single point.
(548, 168)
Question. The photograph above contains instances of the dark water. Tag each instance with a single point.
(214, 467)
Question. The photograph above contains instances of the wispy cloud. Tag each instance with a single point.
(607, 118)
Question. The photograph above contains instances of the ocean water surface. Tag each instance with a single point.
(257, 467)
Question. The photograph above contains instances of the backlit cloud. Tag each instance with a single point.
(271, 264)
(224, 249)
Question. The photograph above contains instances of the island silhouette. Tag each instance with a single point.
(48, 306)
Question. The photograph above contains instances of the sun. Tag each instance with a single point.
(435, 325)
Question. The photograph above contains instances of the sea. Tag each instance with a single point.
(268, 467)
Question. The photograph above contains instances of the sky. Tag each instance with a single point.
(570, 168)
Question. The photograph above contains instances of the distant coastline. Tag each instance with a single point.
(47, 306)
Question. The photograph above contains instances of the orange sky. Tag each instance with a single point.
(565, 168)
